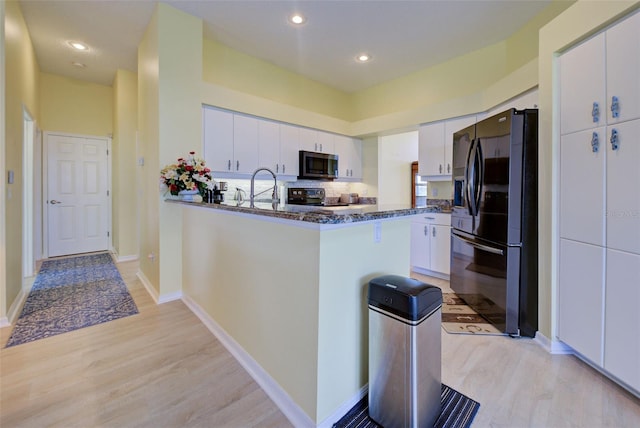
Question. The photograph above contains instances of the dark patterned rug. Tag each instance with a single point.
(457, 411)
(72, 293)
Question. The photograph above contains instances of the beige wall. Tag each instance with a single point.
(169, 112)
(575, 24)
(21, 90)
(235, 70)
(296, 305)
(124, 164)
(395, 155)
(76, 107)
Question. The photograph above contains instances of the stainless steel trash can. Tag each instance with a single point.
(405, 352)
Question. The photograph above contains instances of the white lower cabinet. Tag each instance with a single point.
(581, 298)
(431, 243)
(622, 317)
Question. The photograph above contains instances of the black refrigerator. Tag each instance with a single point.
(494, 220)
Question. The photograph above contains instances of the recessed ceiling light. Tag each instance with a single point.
(78, 46)
(363, 57)
(79, 65)
(297, 19)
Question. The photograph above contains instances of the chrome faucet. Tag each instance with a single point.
(274, 195)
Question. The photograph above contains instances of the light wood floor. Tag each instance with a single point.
(160, 368)
(163, 368)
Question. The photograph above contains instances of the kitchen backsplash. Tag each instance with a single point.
(332, 189)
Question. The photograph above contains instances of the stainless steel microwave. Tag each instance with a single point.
(318, 166)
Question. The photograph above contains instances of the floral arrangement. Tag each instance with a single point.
(188, 174)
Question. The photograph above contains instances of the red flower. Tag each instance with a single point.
(207, 170)
(192, 153)
(188, 168)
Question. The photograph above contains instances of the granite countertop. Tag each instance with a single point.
(318, 214)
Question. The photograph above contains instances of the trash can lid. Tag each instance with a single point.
(405, 297)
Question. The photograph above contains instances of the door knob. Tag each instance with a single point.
(54, 202)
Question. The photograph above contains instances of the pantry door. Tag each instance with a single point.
(78, 219)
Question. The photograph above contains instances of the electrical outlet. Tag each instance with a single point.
(377, 232)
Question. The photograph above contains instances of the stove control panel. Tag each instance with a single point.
(305, 196)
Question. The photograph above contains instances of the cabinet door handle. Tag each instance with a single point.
(615, 107)
(320, 146)
(229, 165)
(425, 231)
(448, 168)
(277, 168)
(283, 168)
(440, 168)
(238, 165)
(614, 139)
(316, 147)
(595, 143)
(433, 232)
(595, 112)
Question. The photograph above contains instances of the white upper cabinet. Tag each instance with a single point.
(452, 126)
(313, 140)
(349, 151)
(269, 144)
(582, 92)
(218, 139)
(623, 186)
(431, 149)
(582, 203)
(623, 70)
(289, 149)
(245, 144)
(435, 145)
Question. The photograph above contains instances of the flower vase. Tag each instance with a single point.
(187, 195)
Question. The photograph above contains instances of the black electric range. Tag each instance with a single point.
(309, 196)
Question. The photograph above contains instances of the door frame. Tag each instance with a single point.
(45, 188)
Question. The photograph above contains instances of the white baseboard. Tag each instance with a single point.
(157, 298)
(344, 408)
(4, 322)
(291, 410)
(122, 259)
(554, 347)
(16, 307)
(147, 285)
(170, 297)
(428, 272)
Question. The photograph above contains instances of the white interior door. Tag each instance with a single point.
(78, 195)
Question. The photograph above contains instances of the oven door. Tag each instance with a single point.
(480, 274)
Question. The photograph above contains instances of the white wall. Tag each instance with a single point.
(395, 154)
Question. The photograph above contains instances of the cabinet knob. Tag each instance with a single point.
(595, 143)
(615, 107)
(614, 139)
(595, 112)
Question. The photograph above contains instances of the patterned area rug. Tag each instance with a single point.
(457, 411)
(458, 317)
(72, 293)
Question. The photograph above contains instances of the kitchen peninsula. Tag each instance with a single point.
(289, 288)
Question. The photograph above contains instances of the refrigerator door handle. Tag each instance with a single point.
(469, 173)
(480, 246)
(479, 185)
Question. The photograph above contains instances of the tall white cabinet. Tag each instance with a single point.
(599, 258)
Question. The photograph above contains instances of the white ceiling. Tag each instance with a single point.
(401, 36)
